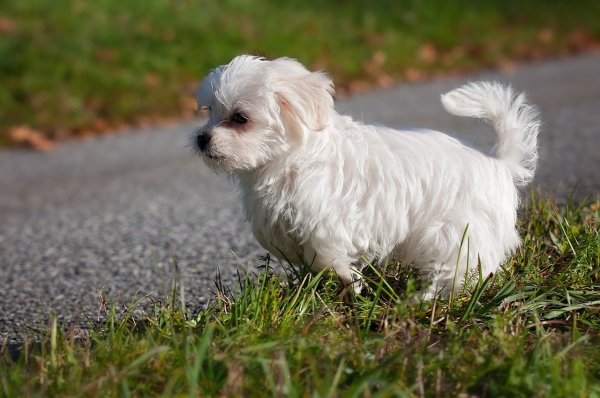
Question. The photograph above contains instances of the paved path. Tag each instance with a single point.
(112, 212)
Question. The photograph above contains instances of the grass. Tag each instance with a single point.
(529, 331)
(69, 67)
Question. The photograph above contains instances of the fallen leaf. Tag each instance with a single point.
(545, 35)
(428, 53)
(384, 80)
(358, 87)
(582, 40)
(373, 65)
(506, 65)
(29, 137)
(413, 74)
(100, 125)
(7, 26)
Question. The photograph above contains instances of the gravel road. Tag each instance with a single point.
(111, 213)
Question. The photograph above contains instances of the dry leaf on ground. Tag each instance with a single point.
(28, 137)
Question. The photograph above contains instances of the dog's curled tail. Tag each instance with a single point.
(515, 121)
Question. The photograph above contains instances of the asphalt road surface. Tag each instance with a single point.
(112, 213)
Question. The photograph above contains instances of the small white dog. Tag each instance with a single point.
(322, 189)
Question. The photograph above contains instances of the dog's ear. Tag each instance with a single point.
(207, 87)
(305, 98)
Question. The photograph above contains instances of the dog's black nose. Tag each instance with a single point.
(202, 140)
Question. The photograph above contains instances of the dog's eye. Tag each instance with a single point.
(239, 118)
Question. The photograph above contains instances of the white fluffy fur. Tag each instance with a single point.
(323, 189)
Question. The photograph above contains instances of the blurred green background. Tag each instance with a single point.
(72, 67)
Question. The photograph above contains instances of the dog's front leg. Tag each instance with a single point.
(343, 265)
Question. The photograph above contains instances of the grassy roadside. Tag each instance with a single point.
(532, 330)
(73, 67)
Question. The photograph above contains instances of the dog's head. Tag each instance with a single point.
(257, 110)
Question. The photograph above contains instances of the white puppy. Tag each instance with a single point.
(322, 189)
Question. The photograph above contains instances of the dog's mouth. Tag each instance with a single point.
(213, 156)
